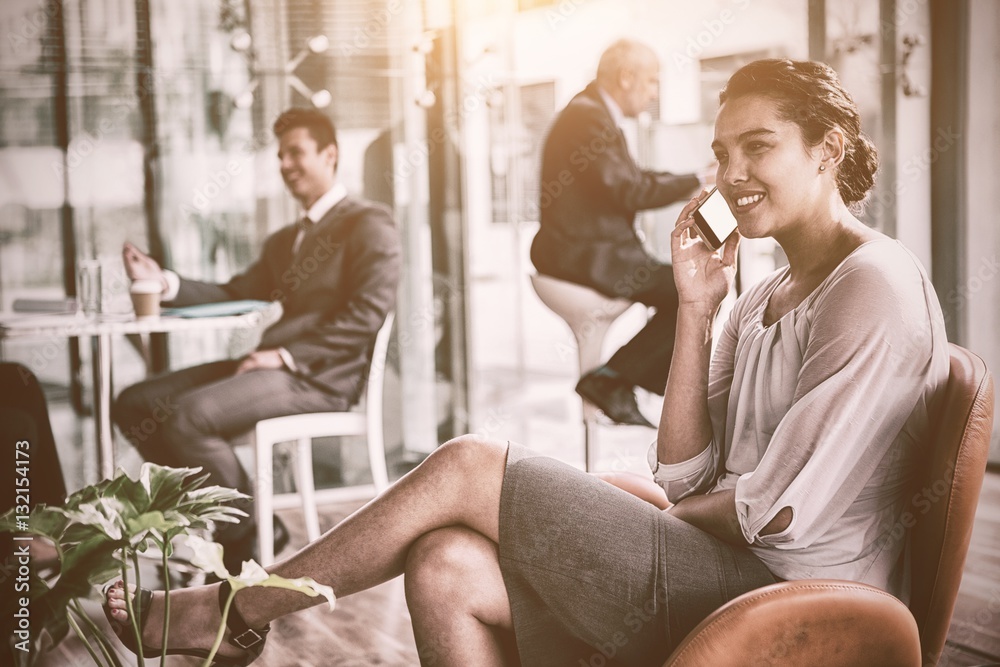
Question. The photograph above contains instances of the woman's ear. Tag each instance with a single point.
(833, 147)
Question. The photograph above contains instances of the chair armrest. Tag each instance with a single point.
(819, 622)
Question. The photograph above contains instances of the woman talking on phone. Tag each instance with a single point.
(785, 454)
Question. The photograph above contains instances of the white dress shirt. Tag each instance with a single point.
(320, 208)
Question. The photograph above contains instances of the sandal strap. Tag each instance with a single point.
(141, 602)
(242, 635)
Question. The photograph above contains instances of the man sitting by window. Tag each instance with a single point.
(335, 273)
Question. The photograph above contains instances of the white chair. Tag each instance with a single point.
(589, 314)
(301, 429)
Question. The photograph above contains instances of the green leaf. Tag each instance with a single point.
(166, 486)
(87, 563)
(100, 526)
(147, 521)
(130, 493)
(139, 528)
(104, 514)
(89, 494)
(43, 520)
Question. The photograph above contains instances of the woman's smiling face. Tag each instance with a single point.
(766, 172)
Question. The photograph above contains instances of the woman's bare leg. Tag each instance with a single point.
(457, 599)
(639, 486)
(457, 485)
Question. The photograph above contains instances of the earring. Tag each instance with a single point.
(822, 167)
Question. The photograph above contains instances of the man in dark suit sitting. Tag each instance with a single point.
(335, 273)
(591, 191)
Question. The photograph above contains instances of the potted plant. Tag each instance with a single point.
(99, 533)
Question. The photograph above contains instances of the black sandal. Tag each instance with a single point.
(242, 636)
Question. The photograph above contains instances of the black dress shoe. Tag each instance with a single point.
(613, 397)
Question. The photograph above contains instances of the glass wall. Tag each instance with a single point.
(523, 63)
(150, 121)
(72, 163)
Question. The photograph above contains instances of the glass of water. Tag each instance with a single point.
(88, 286)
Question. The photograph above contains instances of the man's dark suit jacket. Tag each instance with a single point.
(590, 191)
(335, 292)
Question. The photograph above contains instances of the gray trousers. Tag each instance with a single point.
(187, 418)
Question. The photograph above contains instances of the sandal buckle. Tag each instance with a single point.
(248, 639)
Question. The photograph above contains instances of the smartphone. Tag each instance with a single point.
(713, 220)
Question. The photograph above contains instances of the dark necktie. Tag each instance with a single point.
(301, 228)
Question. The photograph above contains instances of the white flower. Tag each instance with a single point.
(253, 574)
(206, 556)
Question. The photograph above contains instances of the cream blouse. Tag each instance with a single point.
(824, 412)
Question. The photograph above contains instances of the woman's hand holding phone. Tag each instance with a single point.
(703, 276)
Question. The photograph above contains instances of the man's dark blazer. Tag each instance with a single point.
(591, 189)
(335, 292)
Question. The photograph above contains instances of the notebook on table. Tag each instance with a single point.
(220, 309)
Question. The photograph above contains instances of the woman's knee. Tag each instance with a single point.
(449, 564)
(473, 453)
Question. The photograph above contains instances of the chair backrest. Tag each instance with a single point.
(943, 505)
(376, 378)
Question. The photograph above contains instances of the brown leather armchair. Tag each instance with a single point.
(828, 623)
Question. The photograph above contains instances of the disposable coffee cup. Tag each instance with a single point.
(146, 298)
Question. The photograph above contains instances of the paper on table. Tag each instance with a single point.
(220, 309)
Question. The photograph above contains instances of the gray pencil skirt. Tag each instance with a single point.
(597, 577)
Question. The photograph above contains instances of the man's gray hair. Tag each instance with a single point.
(624, 54)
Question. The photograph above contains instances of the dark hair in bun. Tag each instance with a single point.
(810, 95)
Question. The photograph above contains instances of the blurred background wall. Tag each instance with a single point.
(149, 120)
